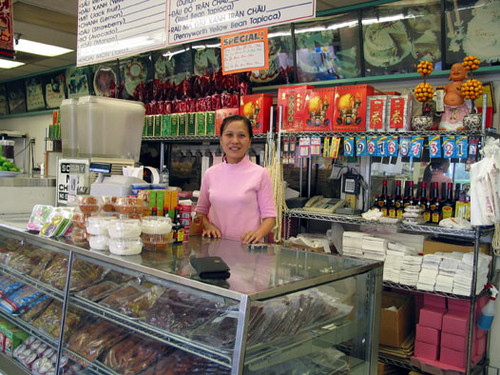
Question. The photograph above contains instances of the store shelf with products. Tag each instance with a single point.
(193, 138)
(337, 296)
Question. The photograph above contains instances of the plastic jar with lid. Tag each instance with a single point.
(98, 225)
(124, 228)
(100, 242)
(89, 204)
(156, 232)
(125, 246)
(126, 205)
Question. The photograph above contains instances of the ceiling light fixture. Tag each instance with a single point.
(9, 64)
(42, 49)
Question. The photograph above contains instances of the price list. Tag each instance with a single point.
(110, 29)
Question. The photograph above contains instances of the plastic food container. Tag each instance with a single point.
(130, 205)
(69, 127)
(79, 235)
(156, 232)
(124, 228)
(98, 225)
(99, 242)
(108, 204)
(89, 204)
(125, 246)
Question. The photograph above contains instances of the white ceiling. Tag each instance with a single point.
(55, 22)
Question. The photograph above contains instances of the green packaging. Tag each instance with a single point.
(145, 127)
(191, 123)
(174, 124)
(201, 125)
(165, 125)
(182, 123)
(210, 130)
(150, 126)
(13, 337)
(157, 126)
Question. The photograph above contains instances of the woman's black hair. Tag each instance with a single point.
(434, 164)
(230, 119)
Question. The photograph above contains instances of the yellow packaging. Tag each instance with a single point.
(160, 201)
(462, 209)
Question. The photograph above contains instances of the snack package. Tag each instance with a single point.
(98, 291)
(9, 285)
(14, 337)
(58, 222)
(26, 258)
(19, 299)
(35, 308)
(39, 216)
(49, 320)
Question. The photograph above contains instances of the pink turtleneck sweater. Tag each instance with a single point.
(236, 197)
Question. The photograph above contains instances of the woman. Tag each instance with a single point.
(435, 172)
(236, 198)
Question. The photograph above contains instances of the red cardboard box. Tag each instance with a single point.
(425, 350)
(455, 342)
(257, 108)
(221, 114)
(319, 110)
(292, 99)
(452, 357)
(435, 301)
(399, 117)
(377, 108)
(456, 323)
(431, 317)
(350, 107)
(428, 335)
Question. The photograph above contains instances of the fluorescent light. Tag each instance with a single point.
(42, 49)
(9, 64)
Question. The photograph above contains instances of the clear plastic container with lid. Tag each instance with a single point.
(125, 246)
(100, 242)
(89, 204)
(98, 225)
(124, 228)
(156, 232)
(133, 207)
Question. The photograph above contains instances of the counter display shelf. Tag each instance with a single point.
(282, 310)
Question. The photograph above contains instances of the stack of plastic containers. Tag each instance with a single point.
(97, 228)
(124, 236)
(156, 232)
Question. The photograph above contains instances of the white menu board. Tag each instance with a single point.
(190, 20)
(110, 29)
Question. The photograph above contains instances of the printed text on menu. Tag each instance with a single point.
(109, 29)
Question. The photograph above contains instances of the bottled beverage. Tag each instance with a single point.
(427, 210)
(448, 207)
(164, 176)
(383, 199)
(422, 195)
(434, 196)
(399, 200)
(375, 202)
(408, 194)
(436, 211)
(392, 210)
(443, 193)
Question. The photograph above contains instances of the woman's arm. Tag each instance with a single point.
(265, 227)
(209, 230)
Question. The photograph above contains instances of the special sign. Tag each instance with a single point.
(245, 51)
(190, 20)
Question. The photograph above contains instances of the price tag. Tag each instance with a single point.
(348, 146)
(315, 146)
(361, 146)
(449, 147)
(416, 146)
(404, 146)
(326, 147)
(382, 146)
(371, 144)
(434, 146)
(392, 145)
(304, 147)
(461, 146)
(334, 147)
(473, 144)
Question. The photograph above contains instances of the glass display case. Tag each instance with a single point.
(281, 310)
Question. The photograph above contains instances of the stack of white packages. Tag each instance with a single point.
(352, 244)
(429, 272)
(374, 248)
(394, 259)
(410, 269)
(462, 282)
(447, 272)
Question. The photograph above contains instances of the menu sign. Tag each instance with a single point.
(190, 20)
(245, 51)
(110, 29)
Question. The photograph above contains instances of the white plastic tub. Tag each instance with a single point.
(69, 127)
(109, 127)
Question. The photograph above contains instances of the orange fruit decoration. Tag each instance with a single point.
(424, 92)
(472, 88)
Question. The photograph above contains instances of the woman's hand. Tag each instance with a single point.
(211, 231)
(251, 237)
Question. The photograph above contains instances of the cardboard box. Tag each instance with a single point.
(452, 357)
(427, 351)
(174, 124)
(210, 123)
(319, 113)
(455, 342)
(165, 125)
(456, 323)
(157, 125)
(431, 247)
(435, 301)
(13, 337)
(428, 335)
(399, 112)
(395, 325)
(380, 368)
(257, 108)
(376, 113)
(431, 317)
(201, 123)
(182, 118)
(221, 114)
(350, 107)
(292, 99)
(191, 123)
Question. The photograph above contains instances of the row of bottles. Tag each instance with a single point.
(434, 208)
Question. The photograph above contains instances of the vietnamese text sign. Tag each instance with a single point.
(6, 30)
(245, 51)
(109, 29)
(190, 20)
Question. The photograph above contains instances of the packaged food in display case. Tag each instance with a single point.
(37, 308)
(19, 299)
(377, 113)
(156, 232)
(350, 107)
(257, 109)
(98, 291)
(125, 246)
(400, 112)
(49, 320)
(319, 112)
(292, 100)
(25, 259)
(124, 228)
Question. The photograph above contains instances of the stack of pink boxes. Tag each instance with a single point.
(443, 331)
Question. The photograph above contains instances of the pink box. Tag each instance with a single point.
(428, 335)
(455, 342)
(453, 357)
(434, 301)
(458, 305)
(481, 346)
(425, 350)
(456, 322)
(431, 317)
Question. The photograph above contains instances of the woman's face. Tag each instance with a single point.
(235, 141)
